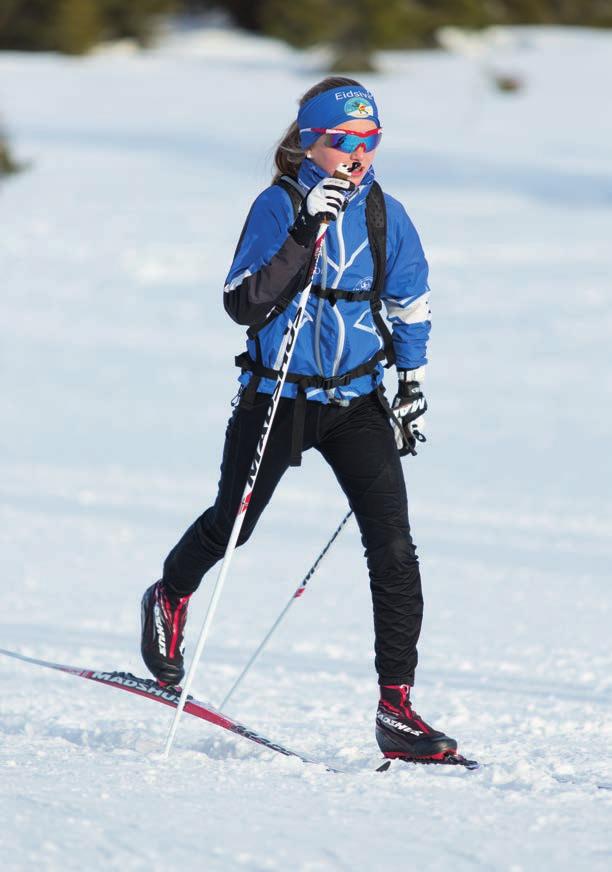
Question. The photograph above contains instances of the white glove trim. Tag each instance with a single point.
(406, 375)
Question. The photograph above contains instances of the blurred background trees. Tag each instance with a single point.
(75, 26)
(352, 28)
(398, 23)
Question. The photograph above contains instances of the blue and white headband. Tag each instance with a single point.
(333, 107)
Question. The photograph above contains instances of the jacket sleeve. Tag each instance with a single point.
(406, 293)
(269, 265)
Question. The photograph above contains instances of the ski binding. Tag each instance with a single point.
(445, 758)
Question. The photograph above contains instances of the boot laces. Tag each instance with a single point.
(174, 608)
(409, 712)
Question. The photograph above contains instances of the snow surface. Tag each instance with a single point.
(116, 370)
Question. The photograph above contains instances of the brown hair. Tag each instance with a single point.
(289, 153)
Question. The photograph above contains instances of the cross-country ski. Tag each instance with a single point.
(169, 696)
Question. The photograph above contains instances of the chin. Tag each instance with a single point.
(358, 175)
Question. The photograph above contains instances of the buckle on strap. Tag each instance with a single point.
(336, 381)
(244, 361)
(332, 295)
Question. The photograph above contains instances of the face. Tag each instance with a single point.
(329, 158)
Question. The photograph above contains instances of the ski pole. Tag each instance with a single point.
(298, 593)
(287, 350)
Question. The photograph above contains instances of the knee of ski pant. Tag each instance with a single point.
(390, 547)
(394, 561)
(214, 532)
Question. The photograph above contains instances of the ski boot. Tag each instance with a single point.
(163, 627)
(402, 733)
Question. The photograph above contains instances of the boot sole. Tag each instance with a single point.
(437, 758)
(397, 746)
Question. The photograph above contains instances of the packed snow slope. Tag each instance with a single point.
(117, 376)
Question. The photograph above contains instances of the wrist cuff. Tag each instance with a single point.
(305, 229)
(408, 375)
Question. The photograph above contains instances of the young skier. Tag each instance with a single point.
(333, 397)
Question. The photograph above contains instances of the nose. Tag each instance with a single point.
(360, 148)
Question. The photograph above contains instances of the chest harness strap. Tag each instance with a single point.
(376, 219)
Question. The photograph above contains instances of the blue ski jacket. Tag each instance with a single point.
(334, 338)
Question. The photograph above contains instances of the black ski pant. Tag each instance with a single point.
(358, 443)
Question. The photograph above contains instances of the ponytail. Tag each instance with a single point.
(289, 154)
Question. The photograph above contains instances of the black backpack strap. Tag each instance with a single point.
(294, 189)
(376, 217)
(326, 383)
(335, 294)
(303, 382)
(297, 426)
(296, 195)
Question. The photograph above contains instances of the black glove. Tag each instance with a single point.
(409, 406)
(323, 201)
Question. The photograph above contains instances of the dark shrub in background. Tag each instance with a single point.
(75, 26)
(8, 164)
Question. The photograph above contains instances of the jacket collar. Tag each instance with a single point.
(310, 174)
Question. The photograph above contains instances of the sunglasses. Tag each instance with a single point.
(348, 140)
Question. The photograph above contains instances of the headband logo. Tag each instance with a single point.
(357, 107)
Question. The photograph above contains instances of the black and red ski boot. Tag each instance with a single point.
(163, 628)
(402, 733)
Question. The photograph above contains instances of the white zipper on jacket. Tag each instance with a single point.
(331, 393)
(340, 268)
(321, 304)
